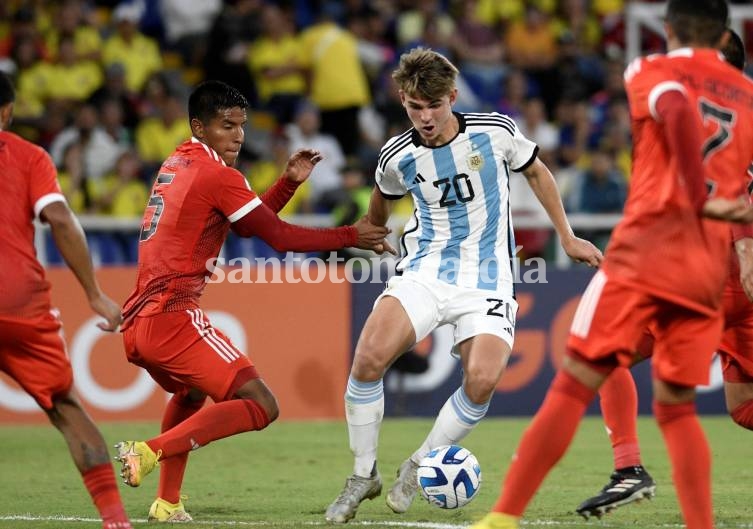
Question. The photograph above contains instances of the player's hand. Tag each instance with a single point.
(372, 237)
(582, 251)
(739, 210)
(301, 163)
(109, 310)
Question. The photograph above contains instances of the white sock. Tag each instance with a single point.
(456, 419)
(364, 410)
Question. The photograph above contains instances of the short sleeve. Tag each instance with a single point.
(44, 188)
(519, 150)
(390, 183)
(228, 191)
(646, 79)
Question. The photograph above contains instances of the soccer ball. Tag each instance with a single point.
(449, 476)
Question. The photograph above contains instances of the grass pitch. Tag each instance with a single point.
(285, 476)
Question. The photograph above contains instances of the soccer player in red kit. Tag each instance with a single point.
(619, 399)
(665, 264)
(196, 199)
(32, 350)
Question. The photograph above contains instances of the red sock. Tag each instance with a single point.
(211, 423)
(172, 469)
(743, 414)
(619, 407)
(691, 461)
(544, 442)
(100, 482)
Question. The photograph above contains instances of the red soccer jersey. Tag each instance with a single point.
(194, 200)
(662, 246)
(28, 183)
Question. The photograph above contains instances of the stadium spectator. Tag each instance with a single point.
(70, 21)
(619, 399)
(70, 79)
(305, 132)
(32, 350)
(114, 87)
(187, 24)
(601, 188)
(338, 82)
(678, 292)
(196, 199)
(274, 59)
(233, 30)
(139, 54)
(100, 150)
(455, 270)
(158, 136)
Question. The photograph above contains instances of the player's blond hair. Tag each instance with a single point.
(425, 74)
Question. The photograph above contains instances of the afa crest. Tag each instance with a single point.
(475, 161)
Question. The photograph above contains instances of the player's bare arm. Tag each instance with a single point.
(300, 164)
(544, 187)
(744, 250)
(70, 240)
(379, 212)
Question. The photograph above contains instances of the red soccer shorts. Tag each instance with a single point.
(33, 353)
(181, 350)
(736, 349)
(611, 320)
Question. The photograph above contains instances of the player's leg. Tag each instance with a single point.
(685, 344)
(404, 313)
(37, 360)
(182, 350)
(484, 334)
(629, 481)
(168, 506)
(736, 354)
(609, 319)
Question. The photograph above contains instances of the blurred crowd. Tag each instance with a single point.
(102, 85)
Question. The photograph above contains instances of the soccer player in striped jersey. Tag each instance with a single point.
(456, 265)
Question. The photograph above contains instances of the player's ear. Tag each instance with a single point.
(724, 40)
(453, 96)
(197, 128)
(6, 115)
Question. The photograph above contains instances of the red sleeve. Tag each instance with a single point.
(43, 183)
(227, 190)
(741, 231)
(279, 194)
(284, 237)
(685, 142)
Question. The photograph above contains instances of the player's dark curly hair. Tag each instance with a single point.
(211, 97)
(734, 50)
(7, 93)
(698, 21)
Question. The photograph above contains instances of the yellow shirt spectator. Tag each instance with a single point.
(156, 140)
(140, 57)
(86, 42)
(30, 91)
(76, 81)
(130, 199)
(75, 197)
(266, 54)
(337, 76)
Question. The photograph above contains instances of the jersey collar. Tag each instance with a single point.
(416, 137)
(211, 152)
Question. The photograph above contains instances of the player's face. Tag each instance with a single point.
(224, 133)
(432, 119)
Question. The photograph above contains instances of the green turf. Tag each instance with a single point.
(285, 476)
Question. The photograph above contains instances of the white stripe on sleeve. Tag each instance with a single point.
(248, 208)
(660, 89)
(45, 201)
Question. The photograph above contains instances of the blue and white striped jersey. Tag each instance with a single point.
(461, 229)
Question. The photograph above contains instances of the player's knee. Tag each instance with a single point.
(480, 386)
(370, 361)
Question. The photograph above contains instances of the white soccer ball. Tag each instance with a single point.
(449, 476)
